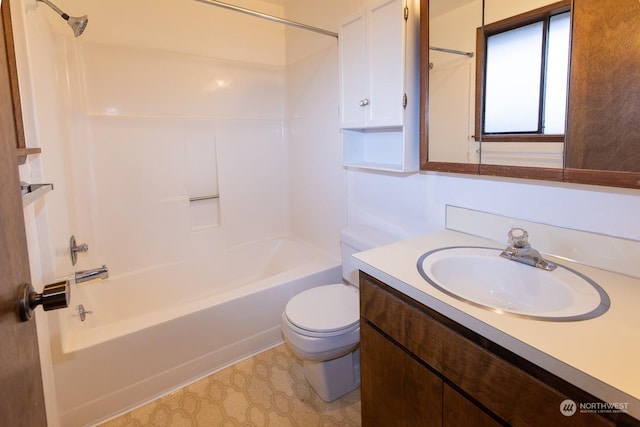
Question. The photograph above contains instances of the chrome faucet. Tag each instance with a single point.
(520, 250)
(96, 273)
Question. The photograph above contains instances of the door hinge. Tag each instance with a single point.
(406, 13)
(404, 101)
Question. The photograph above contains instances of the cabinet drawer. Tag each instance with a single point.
(503, 388)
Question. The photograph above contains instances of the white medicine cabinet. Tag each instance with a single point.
(379, 87)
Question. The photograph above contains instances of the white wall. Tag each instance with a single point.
(318, 191)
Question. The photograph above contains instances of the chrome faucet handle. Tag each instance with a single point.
(75, 248)
(518, 237)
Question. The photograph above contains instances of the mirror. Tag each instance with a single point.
(594, 151)
(452, 81)
(452, 86)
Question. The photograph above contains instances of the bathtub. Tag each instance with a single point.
(155, 330)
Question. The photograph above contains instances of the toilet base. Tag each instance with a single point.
(334, 378)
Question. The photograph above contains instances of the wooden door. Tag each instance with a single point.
(21, 391)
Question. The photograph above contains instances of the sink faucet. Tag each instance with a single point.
(96, 273)
(520, 250)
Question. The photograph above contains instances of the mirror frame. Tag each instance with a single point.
(569, 175)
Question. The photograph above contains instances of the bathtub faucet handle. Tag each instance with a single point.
(74, 248)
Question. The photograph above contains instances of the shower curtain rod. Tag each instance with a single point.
(269, 17)
(457, 52)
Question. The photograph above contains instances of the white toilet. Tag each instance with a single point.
(322, 325)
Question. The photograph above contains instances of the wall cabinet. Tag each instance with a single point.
(420, 368)
(372, 67)
(379, 102)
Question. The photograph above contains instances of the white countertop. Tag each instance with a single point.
(601, 355)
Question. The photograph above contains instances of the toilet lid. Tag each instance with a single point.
(325, 308)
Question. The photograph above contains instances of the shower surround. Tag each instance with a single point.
(141, 119)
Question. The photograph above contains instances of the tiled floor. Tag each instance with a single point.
(267, 389)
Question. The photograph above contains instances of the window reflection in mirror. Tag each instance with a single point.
(453, 133)
(526, 77)
(538, 139)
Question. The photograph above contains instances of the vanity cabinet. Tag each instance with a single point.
(419, 368)
(379, 99)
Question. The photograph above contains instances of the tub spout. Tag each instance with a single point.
(96, 273)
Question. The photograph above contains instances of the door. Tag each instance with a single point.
(21, 391)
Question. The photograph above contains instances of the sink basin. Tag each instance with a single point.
(480, 277)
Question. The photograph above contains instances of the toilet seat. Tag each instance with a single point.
(316, 334)
(324, 311)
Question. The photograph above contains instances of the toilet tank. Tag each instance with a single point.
(357, 239)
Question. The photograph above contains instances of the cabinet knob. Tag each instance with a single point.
(364, 102)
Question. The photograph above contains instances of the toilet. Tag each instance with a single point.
(322, 325)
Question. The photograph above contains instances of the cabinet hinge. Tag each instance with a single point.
(406, 13)
(404, 101)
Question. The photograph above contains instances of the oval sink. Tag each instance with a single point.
(479, 276)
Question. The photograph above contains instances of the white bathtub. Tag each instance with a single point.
(161, 328)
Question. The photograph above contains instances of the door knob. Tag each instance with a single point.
(54, 296)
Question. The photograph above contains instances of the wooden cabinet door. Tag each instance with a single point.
(397, 390)
(603, 132)
(459, 411)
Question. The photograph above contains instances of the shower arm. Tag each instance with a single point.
(77, 24)
(56, 8)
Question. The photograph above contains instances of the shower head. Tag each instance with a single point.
(77, 24)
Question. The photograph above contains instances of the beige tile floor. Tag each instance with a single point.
(267, 389)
